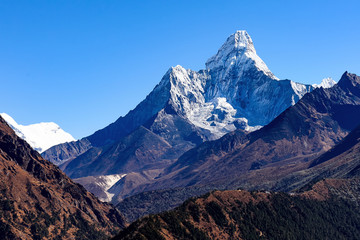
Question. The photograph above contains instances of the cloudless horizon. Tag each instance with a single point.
(83, 64)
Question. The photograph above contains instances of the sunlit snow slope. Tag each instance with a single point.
(40, 136)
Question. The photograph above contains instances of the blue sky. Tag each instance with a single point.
(82, 64)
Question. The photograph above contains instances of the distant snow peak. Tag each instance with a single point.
(325, 83)
(40, 136)
(238, 51)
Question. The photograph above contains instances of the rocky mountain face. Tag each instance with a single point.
(235, 91)
(40, 136)
(260, 159)
(65, 152)
(340, 162)
(346, 149)
(38, 201)
(138, 151)
(239, 214)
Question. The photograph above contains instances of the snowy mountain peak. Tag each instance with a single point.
(40, 136)
(178, 68)
(241, 39)
(238, 51)
(235, 91)
(325, 83)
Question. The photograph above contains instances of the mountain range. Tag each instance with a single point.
(232, 131)
(299, 134)
(273, 157)
(187, 108)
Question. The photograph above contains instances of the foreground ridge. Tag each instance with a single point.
(251, 215)
(38, 201)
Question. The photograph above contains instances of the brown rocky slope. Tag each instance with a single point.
(341, 161)
(38, 201)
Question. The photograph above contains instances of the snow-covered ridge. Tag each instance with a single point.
(40, 136)
(325, 83)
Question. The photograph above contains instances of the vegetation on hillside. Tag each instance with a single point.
(251, 215)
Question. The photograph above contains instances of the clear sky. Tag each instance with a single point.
(83, 64)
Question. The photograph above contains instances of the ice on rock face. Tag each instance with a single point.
(40, 136)
(187, 88)
(236, 90)
(187, 93)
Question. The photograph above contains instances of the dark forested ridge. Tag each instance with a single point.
(252, 215)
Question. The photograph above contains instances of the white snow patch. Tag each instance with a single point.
(40, 136)
(106, 182)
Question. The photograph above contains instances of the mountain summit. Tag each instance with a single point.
(40, 136)
(238, 50)
(236, 90)
(186, 108)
